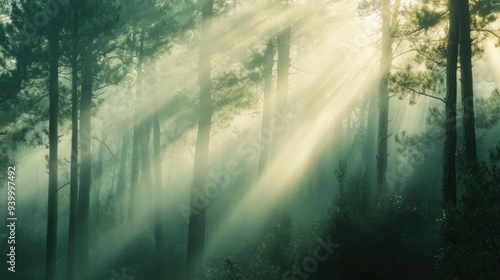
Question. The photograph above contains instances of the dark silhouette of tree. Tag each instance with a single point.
(73, 197)
(196, 227)
(146, 39)
(267, 104)
(158, 196)
(389, 22)
(98, 23)
(53, 40)
(449, 187)
(121, 182)
(469, 122)
(141, 127)
(85, 161)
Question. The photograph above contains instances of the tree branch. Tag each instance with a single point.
(107, 147)
(423, 94)
(63, 186)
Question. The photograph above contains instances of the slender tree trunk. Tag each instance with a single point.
(267, 106)
(280, 107)
(135, 167)
(73, 196)
(383, 99)
(85, 164)
(98, 175)
(158, 195)
(450, 145)
(51, 269)
(371, 143)
(449, 187)
(120, 183)
(146, 177)
(283, 68)
(467, 83)
(137, 150)
(196, 227)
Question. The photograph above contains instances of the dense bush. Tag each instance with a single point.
(474, 225)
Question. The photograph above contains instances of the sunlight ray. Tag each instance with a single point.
(265, 194)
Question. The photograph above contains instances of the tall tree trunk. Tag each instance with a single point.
(85, 164)
(280, 107)
(450, 144)
(283, 68)
(158, 195)
(282, 72)
(120, 183)
(51, 269)
(383, 99)
(134, 179)
(73, 196)
(371, 143)
(267, 106)
(467, 82)
(196, 227)
(146, 177)
(137, 144)
(98, 175)
(449, 187)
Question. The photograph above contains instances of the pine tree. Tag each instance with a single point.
(196, 227)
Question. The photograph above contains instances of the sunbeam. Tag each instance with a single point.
(249, 139)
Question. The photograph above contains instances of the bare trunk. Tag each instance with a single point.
(120, 183)
(283, 68)
(158, 195)
(266, 110)
(450, 145)
(383, 99)
(449, 187)
(137, 140)
(134, 174)
(98, 175)
(73, 196)
(371, 142)
(85, 164)
(196, 227)
(146, 177)
(51, 268)
(470, 148)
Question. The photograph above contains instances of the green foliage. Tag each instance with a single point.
(486, 11)
(488, 111)
(269, 260)
(231, 269)
(338, 210)
(232, 93)
(260, 61)
(393, 240)
(272, 255)
(427, 18)
(413, 84)
(474, 225)
(158, 24)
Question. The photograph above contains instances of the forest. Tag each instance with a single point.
(249, 139)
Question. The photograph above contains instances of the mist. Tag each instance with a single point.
(249, 140)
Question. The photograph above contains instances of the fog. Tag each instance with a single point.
(259, 225)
